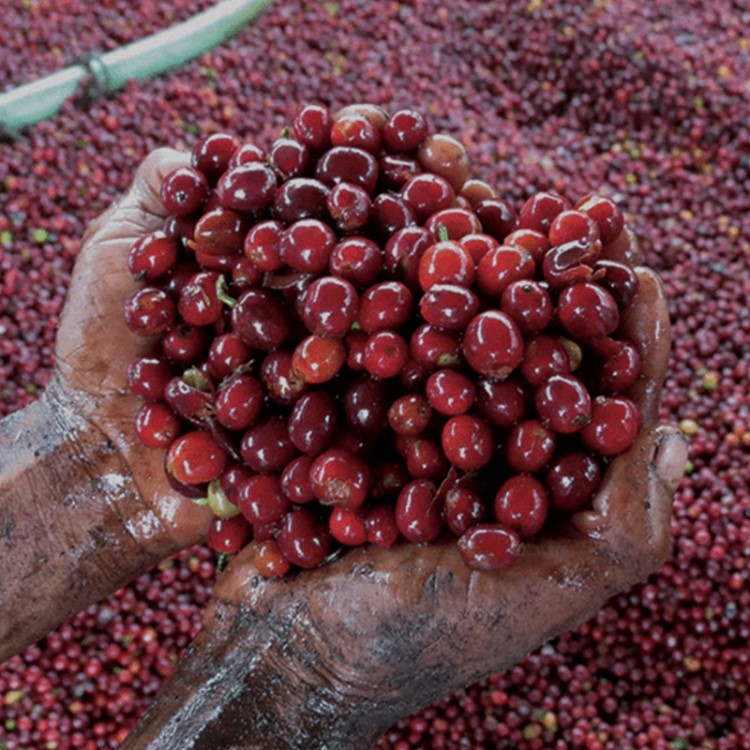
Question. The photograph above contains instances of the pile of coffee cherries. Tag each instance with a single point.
(357, 344)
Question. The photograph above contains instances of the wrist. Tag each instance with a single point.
(256, 681)
(67, 510)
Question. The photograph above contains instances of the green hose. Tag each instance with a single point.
(28, 104)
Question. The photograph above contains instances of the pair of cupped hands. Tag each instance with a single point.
(328, 658)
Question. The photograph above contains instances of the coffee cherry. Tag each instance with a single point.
(409, 415)
(228, 536)
(449, 306)
(425, 459)
(156, 425)
(573, 226)
(606, 213)
(404, 131)
(521, 504)
(340, 478)
(261, 499)
(266, 446)
(304, 539)
(183, 191)
(380, 525)
(385, 305)
(492, 344)
(262, 245)
(239, 402)
(443, 155)
(349, 206)
(621, 369)
(295, 481)
(615, 422)
(356, 259)
(226, 354)
(283, 384)
(195, 458)
(268, 559)
(450, 393)
(434, 347)
(446, 262)
(502, 403)
(149, 311)
(385, 354)
(357, 131)
(366, 401)
(489, 547)
(152, 256)
(463, 509)
(199, 302)
(148, 377)
(587, 311)
(563, 404)
(427, 194)
(212, 153)
(312, 422)
(306, 246)
(312, 126)
(318, 359)
(529, 446)
(572, 481)
(497, 216)
(347, 526)
(418, 513)
(467, 442)
(350, 165)
(300, 198)
(289, 158)
(499, 267)
(329, 307)
(260, 320)
(540, 211)
(529, 304)
(247, 187)
(543, 357)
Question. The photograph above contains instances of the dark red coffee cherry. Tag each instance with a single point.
(572, 481)
(152, 256)
(467, 442)
(614, 426)
(346, 164)
(260, 320)
(544, 356)
(304, 539)
(427, 194)
(529, 446)
(540, 211)
(564, 404)
(239, 402)
(212, 154)
(312, 422)
(156, 425)
(446, 262)
(349, 206)
(606, 213)
(497, 216)
(448, 306)
(266, 446)
(529, 304)
(356, 259)
(199, 302)
(329, 306)
(318, 359)
(227, 536)
(366, 402)
(295, 481)
(419, 512)
(289, 158)
(492, 344)
(385, 354)
(300, 198)
(489, 547)
(434, 347)
(306, 246)
(248, 187)
(621, 369)
(450, 393)
(262, 245)
(312, 126)
(503, 403)
(587, 311)
(340, 478)
(500, 267)
(521, 504)
(573, 226)
(409, 415)
(184, 191)
(347, 526)
(261, 499)
(195, 458)
(396, 170)
(356, 131)
(148, 377)
(385, 305)
(404, 131)
(149, 311)
(463, 509)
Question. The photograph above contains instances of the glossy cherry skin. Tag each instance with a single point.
(304, 539)
(195, 458)
(492, 344)
(340, 478)
(467, 442)
(418, 512)
(521, 504)
(615, 422)
(489, 547)
(572, 480)
(564, 404)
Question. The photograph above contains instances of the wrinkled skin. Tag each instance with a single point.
(330, 658)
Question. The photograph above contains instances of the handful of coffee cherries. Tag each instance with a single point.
(355, 343)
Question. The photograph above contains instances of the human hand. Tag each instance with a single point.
(73, 455)
(330, 658)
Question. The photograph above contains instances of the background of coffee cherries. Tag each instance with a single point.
(649, 102)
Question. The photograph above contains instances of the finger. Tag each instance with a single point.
(140, 209)
(633, 509)
(625, 249)
(646, 324)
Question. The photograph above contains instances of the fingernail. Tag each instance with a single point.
(671, 458)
